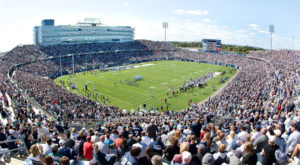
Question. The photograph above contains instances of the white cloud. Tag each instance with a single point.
(125, 4)
(191, 12)
(263, 31)
(254, 26)
(197, 12)
(179, 11)
(207, 20)
(242, 31)
(224, 26)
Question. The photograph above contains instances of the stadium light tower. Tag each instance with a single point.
(60, 66)
(73, 71)
(293, 42)
(165, 26)
(271, 31)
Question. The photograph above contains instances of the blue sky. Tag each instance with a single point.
(242, 22)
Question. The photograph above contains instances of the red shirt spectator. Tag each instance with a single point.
(278, 107)
(88, 148)
(119, 141)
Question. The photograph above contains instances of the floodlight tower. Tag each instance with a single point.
(60, 66)
(73, 71)
(165, 26)
(293, 42)
(271, 31)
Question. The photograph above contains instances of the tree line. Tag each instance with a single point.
(225, 47)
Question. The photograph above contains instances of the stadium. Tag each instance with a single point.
(92, 94)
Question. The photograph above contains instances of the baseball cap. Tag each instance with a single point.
(234, 145)
(61, 142)
(186, 157)
(137, 145)
(11, 131)
(201, 147)
(277, 132)
(258, 127)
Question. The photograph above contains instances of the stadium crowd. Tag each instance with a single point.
(253, 120)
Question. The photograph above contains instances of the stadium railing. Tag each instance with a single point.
(6, 150)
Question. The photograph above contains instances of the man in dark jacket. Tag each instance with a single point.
(66, 151)
(14, 144)
(197, 158)
(3, 138)
(102, 158)
(268, 152)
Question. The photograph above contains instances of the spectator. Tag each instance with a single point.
(35, 157)
(293, 139)
(261, 141)
(197, 158)
(208, 159)
(171, 150)
(250, 157)
(49, 160)
(64, 160)
(221, 156)
(47, 147)
(178, 157)
(101, 146)
(268, 152)
(66, 151)
(54, 154)
(156, 160)
(152, 130)
(88, 149)
(132, 156)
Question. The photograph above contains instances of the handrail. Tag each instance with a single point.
(32, 101)
(19, 148)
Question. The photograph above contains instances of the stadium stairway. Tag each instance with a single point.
(9, 108)
(13, 161)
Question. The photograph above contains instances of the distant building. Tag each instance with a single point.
(89, 31)
(211, 45)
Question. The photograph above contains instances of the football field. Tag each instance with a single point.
(158, 79)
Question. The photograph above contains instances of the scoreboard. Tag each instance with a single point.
(211, 45)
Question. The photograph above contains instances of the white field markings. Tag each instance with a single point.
(216, 74)
(143, 65)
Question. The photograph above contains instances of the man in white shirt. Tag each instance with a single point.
(101, 146)
(241, 135)
(42, 131)
(47, 147)
(145, 138)
(293, 139)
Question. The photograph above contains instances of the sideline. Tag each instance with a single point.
(220, 89)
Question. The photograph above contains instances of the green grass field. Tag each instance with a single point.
(158, 77)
